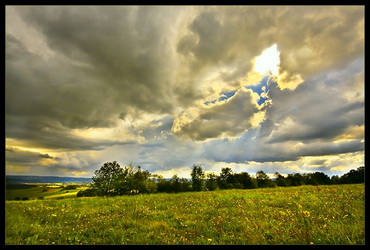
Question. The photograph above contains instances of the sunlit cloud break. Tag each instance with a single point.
(268, 61)
(272, 88)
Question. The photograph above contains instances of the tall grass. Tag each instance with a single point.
(293, 215)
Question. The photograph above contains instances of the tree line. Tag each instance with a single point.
(111, 179)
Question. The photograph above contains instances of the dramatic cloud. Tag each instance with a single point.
(17, 156)
(317, 109)
(299, 124)
(310, 39)
(169, 86)
(230, 117)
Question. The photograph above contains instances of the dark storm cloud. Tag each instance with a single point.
(111, 61)
(26, 158)
(323, 129)
(40, 89)
(125, 47)
(213, 43)
(47, 134)
(317, 107)
(72, 68)
(107, 62)
(158, 129)
(317, 111)
(310, 38)
(246, 149)
(328, 148)
(231, 36)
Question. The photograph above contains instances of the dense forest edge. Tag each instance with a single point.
(111, 180)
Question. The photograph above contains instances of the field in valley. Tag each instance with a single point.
(42, 191)
(332, 214)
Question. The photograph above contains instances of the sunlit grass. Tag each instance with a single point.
(37, 191)
(62, 195)
(293, 215)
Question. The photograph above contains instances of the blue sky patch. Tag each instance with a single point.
(226, 95)
(258, 88)
(208, 102)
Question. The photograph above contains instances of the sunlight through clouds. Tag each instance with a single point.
(268, 62)
(260, 87)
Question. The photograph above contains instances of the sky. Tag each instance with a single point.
(271, 88)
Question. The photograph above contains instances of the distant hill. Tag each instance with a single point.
(44, 179)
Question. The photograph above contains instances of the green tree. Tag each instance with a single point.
(262, 179)
(254, 183)
(295, 179)
(164, 185)
(335, 179)
(139, 180)
(197, 178)
(280, 180)
(107, 178)
(317, 178)
(354, 176)
(242, 180)
(185, 185)
(176, 184)
(111, 179)
(211, 182)
(225, 178)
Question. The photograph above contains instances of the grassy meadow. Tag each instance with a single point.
(41, 191)
(332, 214)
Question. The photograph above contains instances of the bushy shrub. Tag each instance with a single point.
(87, 193)
(70, 187)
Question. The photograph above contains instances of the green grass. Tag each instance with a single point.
(35, 191)
(293, 215)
